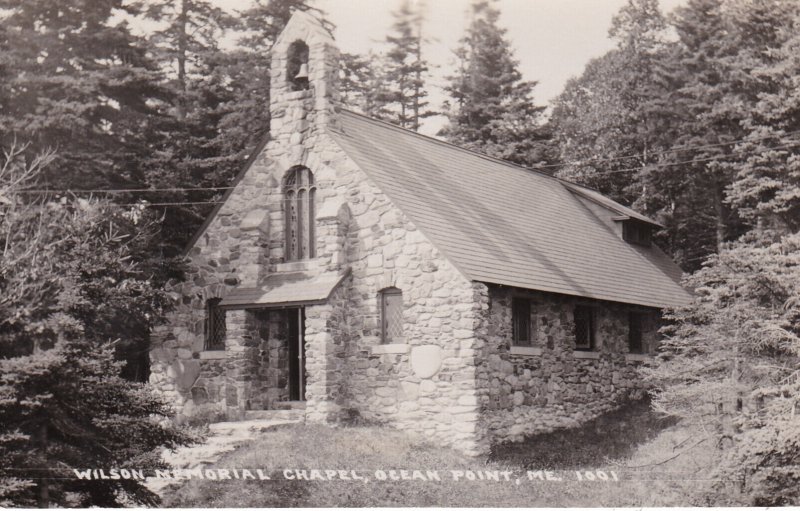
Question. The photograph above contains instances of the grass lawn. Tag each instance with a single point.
(658, 463)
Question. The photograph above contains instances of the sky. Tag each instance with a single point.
(552, 39)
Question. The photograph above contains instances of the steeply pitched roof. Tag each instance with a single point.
(503, 224)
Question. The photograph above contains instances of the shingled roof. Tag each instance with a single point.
(503, 224)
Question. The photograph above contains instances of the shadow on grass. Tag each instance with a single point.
(615, 435)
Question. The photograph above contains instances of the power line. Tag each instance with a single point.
(616, 171)
(127, 190)
(697, 160)
(666, 151)
(169, 203)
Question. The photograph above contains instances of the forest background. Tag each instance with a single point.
(117, 145)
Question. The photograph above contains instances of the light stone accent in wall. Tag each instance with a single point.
(426, 360)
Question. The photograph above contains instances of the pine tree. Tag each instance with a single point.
(405, 69)
(491, 109)
(81, 83)
(729, 362)
(188, 53)
(609, 121)
(74, 289)
(192, 30)
(363, 85)
(766, 186)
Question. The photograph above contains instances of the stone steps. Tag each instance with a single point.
(288, 415)
(290, 405)
(223, 437)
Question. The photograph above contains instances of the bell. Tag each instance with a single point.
(303, 73)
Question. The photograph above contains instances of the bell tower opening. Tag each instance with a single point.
(297, 66)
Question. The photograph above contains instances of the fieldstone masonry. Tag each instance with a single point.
(453, 380)
(552, 385)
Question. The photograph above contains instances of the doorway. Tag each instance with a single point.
(297, 353)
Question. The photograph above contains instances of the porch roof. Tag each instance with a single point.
(285, 289)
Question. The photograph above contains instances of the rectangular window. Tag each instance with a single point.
(391, 316)
(636, 233)
(584, 327)
(215, 325)
(635, 321)
(521, 322)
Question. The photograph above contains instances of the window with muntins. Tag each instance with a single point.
(635, 323)
(215, 325)
(298, 194)
(391, 316)
(521, 322)
(584, 317)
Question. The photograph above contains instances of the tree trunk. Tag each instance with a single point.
(182, 50)
(44, 490)
(719, 206)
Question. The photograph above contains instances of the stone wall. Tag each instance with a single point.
(425, 385)
(550, 385)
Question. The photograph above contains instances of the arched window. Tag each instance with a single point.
(298, 193)
(297, 66)
(391, 316)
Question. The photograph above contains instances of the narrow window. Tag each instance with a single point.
(635, 332)
(298, 194)
(215, 325)
(584, 327)
(521, 322)
(391, 316)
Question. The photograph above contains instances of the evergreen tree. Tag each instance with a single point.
(362, 84)
(610, 121)
(73, 294)
(766, 187)
(187, 51)
(729, 362)
(192, 30)
(405, 69)
(491, 109)
(77, 81)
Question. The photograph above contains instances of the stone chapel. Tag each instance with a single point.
(360, 269)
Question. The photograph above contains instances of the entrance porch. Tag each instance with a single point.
(266, 360)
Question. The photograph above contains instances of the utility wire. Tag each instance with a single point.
(169, 203)
(616, 171)
(128, 190)
(696, 160)
(666, 151)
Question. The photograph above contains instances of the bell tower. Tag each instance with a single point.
(303, 82)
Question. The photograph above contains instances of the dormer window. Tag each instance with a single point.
(637, 233)
(297, 66)
(298, 194)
